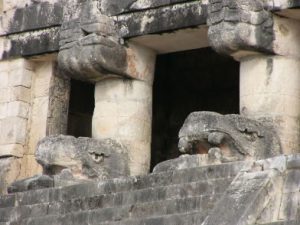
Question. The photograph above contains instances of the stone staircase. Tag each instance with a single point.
(178, 192)
(165, 197)
(293, 222)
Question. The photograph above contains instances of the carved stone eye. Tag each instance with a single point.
(252, 137)
(98, 158)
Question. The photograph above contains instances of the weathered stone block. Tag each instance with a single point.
(6, 95)
(289, 206)
(20, 77)
(20, 94)
(18, 109)
(293, 162)
(59, 96)
(292, 181)
(9, 172)
(3, 76)
(247, 196)
(42, 79)
(162, 19)
(32, 183)
(16, 150)
(13, 130)
(183, 162)
(39, 196)
(38, 125)
(29, 166)
(31, 43)
(28, 16)
(7, 201)
(3, 110)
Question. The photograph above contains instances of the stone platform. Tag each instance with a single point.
(260, 192)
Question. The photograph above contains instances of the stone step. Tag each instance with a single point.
(92, 218)
(122, 185)
(290, 222)
(207, 189)
(191, 218)
(186, 190)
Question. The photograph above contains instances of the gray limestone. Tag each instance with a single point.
(182, 195)
(237, 25)
(228, 138)
(134, 200)
(32, 183)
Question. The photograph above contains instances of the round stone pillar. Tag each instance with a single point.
(123, 112)
(270, 91)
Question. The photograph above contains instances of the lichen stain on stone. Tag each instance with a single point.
(283, 30)
(131, 63)
(145, 21)
(128, 85)
(270, 65)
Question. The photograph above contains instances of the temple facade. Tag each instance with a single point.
(98, 90)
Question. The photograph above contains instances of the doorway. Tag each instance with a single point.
(81, 108)
(185, 82)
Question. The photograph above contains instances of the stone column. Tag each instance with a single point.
(123, 108)
(123, 112)
(92, 50)
(270, 91)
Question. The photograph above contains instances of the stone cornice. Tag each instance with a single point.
(24, 26)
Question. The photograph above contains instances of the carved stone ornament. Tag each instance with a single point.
(228, 137)
(90, 48)
(85, 158)
(240, 25)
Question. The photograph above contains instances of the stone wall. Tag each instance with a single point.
(31, 108)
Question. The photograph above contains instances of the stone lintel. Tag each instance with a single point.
(163, 19)
(29, 44)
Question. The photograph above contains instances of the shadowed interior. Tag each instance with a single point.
(188, 81)
(81, 109)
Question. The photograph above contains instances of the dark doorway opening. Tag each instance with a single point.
(81, 109)
(185, 82)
